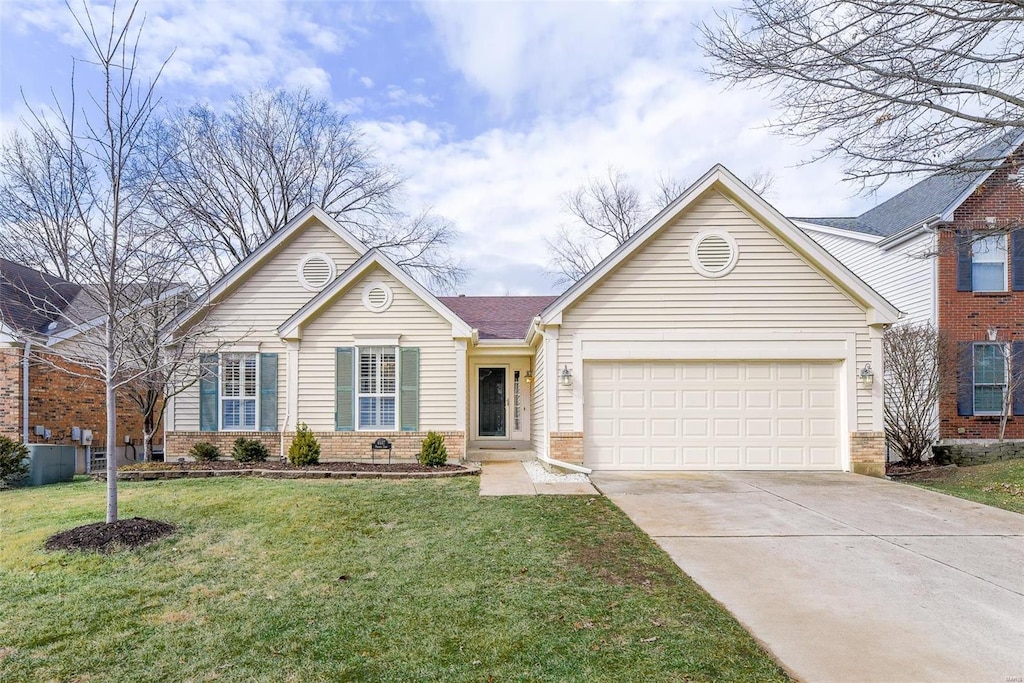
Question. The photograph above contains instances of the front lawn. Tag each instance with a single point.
(354, 580)
(999, 483)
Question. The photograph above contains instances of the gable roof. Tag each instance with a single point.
(292, 327)
(721, 178)
(32, 301)
(251, 262)
(498, 317)
(937, 196)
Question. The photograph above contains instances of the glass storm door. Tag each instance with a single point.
(491, 392)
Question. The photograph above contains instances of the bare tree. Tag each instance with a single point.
(607, 212)
(236, 177)
(891, 86)
(92, 153)
(918, 360)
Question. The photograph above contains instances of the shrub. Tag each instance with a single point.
(433, 452)
(305, 449)
(204, 451)
(12, 456)
(249, 450)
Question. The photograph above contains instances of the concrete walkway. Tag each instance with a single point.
(844, 577)
(511, 479)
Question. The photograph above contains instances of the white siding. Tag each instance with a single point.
(905, 274)
(409, 317)
(252, 312)
(771, 289)
(538, 425)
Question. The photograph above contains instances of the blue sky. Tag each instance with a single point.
(491, 110)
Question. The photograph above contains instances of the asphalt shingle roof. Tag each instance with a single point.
(498, 317)
(31, 300)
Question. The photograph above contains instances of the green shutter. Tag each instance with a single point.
(268, 392)
(409, 374)
(344, 388)
(208, 368)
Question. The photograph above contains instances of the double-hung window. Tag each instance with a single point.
(988, 263)
(377, 387)
(238, 391)
(990, 373)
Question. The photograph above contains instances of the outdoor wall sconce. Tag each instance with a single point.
(867, 376)
(529, 376)
(566, 377)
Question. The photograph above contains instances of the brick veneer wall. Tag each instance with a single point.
(566, 446)
(867, 453)
(333, 445)
(966, 316)
(10, 392)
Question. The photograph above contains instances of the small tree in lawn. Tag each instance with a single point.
(917, 360)
(305, 449)
(433, 452)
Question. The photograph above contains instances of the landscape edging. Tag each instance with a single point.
(155, 475)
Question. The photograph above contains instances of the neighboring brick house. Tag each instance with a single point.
(33, 308)
(950, 251)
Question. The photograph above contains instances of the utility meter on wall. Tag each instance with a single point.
(86, 437)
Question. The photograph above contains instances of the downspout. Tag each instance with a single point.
(24, 392)
(565, 465)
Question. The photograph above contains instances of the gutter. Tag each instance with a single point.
(565, 465)
(24, 392)
(900, 237)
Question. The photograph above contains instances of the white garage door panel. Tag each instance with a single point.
(711, 415)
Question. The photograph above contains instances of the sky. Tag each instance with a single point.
(493, 111)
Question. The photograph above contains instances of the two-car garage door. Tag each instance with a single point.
(711, 415)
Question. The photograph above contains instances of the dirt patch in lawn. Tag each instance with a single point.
(106, 538)
(616, 560)
(285, 466)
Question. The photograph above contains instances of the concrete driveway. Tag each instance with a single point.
(844, 577)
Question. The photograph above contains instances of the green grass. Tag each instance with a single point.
(441, 585)
(999, 483)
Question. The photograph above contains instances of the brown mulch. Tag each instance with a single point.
(106, 538)
(901, 469)
(278, 465)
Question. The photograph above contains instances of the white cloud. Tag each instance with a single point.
(400, 97)
(366, 81)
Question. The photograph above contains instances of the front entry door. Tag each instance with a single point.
(491, 392)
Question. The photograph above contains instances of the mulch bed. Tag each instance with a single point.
(278, 465)
(275, 469)
(899, 469)
(106, 538)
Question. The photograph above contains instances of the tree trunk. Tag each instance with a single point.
(111, 439)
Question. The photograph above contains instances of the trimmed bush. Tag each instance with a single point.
(12, 456)
(305, 449)
(204, 451)
(433, 452)
(249, 450)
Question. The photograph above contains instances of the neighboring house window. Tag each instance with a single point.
(988, 263)
(377, 387)
(238, 390)
(990, 373)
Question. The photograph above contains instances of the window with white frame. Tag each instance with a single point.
(988, 264)
(238, 390)
(377, 385)
(990, 373)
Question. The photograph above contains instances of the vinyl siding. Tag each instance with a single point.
(538, 427)
(905, 274)
(409, 317)
(252, 312)
(770, 289)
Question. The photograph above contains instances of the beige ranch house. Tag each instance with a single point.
(720, 337)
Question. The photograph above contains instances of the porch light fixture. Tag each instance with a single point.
(867, 376)
(529, 376)
(566, 376)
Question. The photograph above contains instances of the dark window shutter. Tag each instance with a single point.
(209, 366)
(964, 281)
(268, 392)
(1017, 259)
(1017, 373)
(344, 386)
(965, 384)
(410, 389)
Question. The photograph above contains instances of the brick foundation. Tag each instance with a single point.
(867, 453)
(334, 446)
(566, 446)
(10, 392)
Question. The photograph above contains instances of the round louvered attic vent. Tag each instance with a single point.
(315, 271)
(713, 253)
(377, 297)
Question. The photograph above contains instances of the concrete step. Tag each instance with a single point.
(499, 455)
